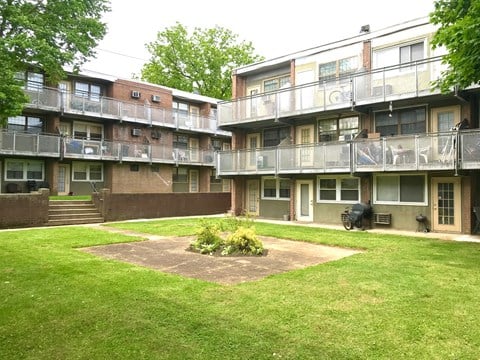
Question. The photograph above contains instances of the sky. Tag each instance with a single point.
(273, 29)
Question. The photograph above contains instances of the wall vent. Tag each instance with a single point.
(136, 132)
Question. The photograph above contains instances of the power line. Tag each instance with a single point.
(121, 54)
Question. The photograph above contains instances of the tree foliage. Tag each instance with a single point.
(459, 33)
(47, 34)
(201, 62)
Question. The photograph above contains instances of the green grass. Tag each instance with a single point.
(403, 298)
(70, 197)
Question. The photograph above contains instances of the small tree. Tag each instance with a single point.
(459, 33)
(201, 62)
(48, 35)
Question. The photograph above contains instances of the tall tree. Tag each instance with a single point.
(47, 34)
(459, 33)
(202, 61)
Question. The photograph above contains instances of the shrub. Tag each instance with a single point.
(208, 238)
(244, 241)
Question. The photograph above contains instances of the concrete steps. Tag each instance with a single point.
(72, 212)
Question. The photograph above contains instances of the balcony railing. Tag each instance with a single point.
(18, 143)
(51, 99)
(386, 84)
(435, 151)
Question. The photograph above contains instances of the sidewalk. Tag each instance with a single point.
(431, 235)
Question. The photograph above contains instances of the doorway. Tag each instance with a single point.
(63, 184)
(446, 204)
(304, 206)
(253, 197)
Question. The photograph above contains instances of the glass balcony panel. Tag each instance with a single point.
(469, 150)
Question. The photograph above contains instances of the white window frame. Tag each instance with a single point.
(398, 202)
(395, 50)
(25, 164)
(277, 189)
(338, 189)
(88, 129)
(88, 171)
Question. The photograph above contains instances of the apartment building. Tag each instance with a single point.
(94, 131)
(351, 121)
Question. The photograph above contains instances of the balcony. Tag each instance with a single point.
(40, 145)
(50, 99)
(387, 84)
(435, 151)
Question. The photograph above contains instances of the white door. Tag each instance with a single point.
(305, 136)
(63, 184)
(305, 95)
(193, 181)
(193, 144)
(304, 195)
(443, 120)
(446, 201)
(253, 197)
(253, 143)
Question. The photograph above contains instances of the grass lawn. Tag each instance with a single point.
(403, 298)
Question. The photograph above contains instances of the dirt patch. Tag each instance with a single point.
(171, 255)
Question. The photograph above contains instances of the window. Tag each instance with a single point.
(24, 170)
(398, 189)
(411, 53)
(398, 55)
(334, 189)
(87, 90)
(87, 131)
(180, 175)
(275, 188)
(332, 129)
(180, 141)
(337, 69)
(28, 124)
(180, 110)
(134, 167)
(276, 83)
(213, 177)
(401, 122)
(33, 81)
(87, 171)
(273, 137)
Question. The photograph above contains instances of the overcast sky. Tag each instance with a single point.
(273, 29)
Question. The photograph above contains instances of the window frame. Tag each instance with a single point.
(395, 57)
(88, 171)
(337, 129)
(277, 188)
(26, 127)
(397, 114)
(88, 93)
(24, 170)
(399, 185)
(88, 128)
(276, 83)
(338, 189)
(340, 71)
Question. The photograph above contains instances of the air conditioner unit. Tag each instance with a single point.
(378, 90)
(135, 94)
(136, 132)
(156, 98)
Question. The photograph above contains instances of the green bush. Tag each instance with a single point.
(244, 241)
(208, 238)
(242, 238)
